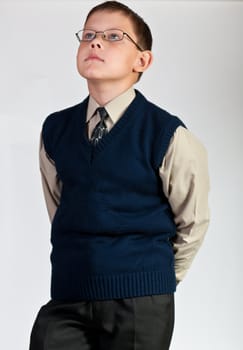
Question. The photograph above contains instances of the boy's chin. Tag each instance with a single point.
(91, 75)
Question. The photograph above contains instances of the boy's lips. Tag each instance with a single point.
(93, 57)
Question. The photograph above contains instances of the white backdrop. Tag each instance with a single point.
(198, 75)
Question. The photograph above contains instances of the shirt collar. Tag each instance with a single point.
(114, 108)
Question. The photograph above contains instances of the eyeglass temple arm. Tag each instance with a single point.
(134, 42)
(77, 37)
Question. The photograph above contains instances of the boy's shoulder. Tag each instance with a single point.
(156, 112)
(62, 115)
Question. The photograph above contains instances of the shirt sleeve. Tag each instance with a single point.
(51, 183)
(184, 174)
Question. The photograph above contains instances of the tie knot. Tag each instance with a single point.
(103, 113)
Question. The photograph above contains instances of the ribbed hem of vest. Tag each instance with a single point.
(118, 286)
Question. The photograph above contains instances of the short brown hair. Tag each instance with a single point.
(141, 28)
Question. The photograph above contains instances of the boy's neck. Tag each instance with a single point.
(104, 93)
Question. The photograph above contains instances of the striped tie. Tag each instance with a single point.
(100, 129)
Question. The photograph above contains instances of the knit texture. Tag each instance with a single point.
(111, 232)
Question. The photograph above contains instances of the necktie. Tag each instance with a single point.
(100, 129)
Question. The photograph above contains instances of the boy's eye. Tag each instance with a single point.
(113, 36)
(88, 35)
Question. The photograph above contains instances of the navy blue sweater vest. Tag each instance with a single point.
(111, 234)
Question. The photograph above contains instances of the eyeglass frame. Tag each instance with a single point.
(104, 38)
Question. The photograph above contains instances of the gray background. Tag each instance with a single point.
(197, 74)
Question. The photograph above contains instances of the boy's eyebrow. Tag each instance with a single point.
(104, 29)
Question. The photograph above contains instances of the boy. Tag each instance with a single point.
(126, 190)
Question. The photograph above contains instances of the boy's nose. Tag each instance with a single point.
(95, 44)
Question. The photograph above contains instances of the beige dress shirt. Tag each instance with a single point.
(184, 175)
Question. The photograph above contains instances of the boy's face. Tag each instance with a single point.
(103, 61)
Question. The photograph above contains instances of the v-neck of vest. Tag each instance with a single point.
(129, 114)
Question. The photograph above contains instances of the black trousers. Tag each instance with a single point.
(143, 323)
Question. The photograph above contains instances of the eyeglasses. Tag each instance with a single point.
(111, 35)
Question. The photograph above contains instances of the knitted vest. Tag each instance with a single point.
(111, 234)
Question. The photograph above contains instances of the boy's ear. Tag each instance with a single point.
(143, 61)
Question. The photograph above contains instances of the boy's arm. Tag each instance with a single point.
(51, 184)
(184, 173)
